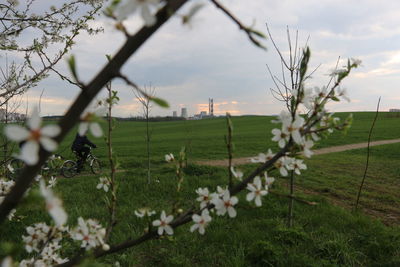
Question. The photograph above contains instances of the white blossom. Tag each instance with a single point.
(53, 205)
(33, 137)
(10, 168)
(163, 224)
(89, 121)
(280, 164)
(321, 92)
(256, 191)
(293, 128)
(284, 117)
(37, 236)
(355, 61)
(313, 134)
(226, 204)
(296, 165)
(262, 158)
(52, 182)
(5, 186)
(238, 174)
(30, 263)
(169, 157)
(145, 6)
(144, 212)
(49, 255)
(306, 148)
(200, 221)
(280, 136)
(268, 180)
(204, 197)
(308, 98)
(220, 193)
(104, 184)
(91, 233)
(342, 92)
(6, 262)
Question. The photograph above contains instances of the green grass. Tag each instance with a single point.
(323, 235)
(204, 139)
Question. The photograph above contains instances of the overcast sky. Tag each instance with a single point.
(213, 59)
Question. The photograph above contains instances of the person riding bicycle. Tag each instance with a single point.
(81, 150)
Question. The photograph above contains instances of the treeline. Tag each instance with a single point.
(152, 119)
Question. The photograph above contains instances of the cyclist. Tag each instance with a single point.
(81, 150)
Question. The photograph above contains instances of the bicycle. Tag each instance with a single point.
(49, 168)
(70, 167)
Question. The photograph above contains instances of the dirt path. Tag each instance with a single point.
(246, 160)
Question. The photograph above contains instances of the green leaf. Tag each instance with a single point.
(304, 62)
(229, 121)
(72, 67)
(161, 102)
(259, 34)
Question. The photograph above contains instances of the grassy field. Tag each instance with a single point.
(204, 139)
(327, 234)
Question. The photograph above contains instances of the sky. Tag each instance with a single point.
(212, 58)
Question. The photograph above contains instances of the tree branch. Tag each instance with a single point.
(72, 116)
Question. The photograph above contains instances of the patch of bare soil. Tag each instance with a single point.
(246, 160)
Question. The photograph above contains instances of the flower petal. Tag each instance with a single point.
(51, 130)
(35, 120)
(168, 229)
(194, 227)
(232, 212)
(48, 143)
(16, 133)
(250, 196)
(95, 129)
(149, 19)
(29, 152)
(83, 128)
(160, 230)
(258, 201)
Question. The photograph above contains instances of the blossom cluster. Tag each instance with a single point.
(5, 187)
(90, 233)
(45, 240)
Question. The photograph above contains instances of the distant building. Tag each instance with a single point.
(394, 110)
(211, 107)
(11, 116)
(184, 113)
(174, 114)
(203, 114)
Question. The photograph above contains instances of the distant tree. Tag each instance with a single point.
(30, 32)
(144, 97)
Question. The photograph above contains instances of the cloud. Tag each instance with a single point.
(213, 59)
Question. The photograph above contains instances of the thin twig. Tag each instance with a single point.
(367, 163)
(291, 200)
(250, 32)
(72, 116)
(113, 186)
(311, 203)
(229, 147)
